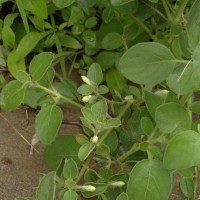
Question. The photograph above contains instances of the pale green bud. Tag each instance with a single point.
(117, 184)
(86, 80)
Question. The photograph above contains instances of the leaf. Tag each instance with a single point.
(47, 187)
(149, 180)
(147, 63)
(48, 122)
(40, 64)
(85, 151)
(70, 169)
(76, 17)
(100, 110)
(108, 14)
(172, 117)
(112, 41)
(88, 114)
(14, 66)
(91, 22)
(147, 125)
(69, 42)
(33, 5)
(120, 2)
(187, 187)
(182, 151)
(85, 89)
(195, 107)
(95, 74)
(89, 37)
(111, 141)
(12, 95)
(64, 146)
(28, 43)
(122, 196)
(70, 195)
(8, 36)
(63, 3)
(112, 123)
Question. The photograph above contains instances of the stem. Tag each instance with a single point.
(165, 6)
(131, 151)
(195, 183)
(148, 31)
(55, 93)
(180, 11)
(59, 48)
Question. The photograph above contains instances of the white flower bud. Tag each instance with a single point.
(117, 184)
(86, 80)
(88, 188)
(130, 97)
(94, 139)
(87, 98)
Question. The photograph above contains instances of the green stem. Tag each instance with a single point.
(131, 151)
(180, 11)
(195, 183)
(148, 31)
(165, 6)
(55, 93)
(59, 48)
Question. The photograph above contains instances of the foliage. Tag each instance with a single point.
(139, 62)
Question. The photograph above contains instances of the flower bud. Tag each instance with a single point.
(86, 80)
(87, 98)
(117, 184)
(130, 97)
(88, 188)
(94, 139)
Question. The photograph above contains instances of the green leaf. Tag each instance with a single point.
(63, 3)
(47, 187)
(88, 114)
(64, 146)
(33, 5)
(82, 139)
(85, 89)
(70, 195)
(89, 37)
(103, 150)
(122, 196)
(28, 43)
(12, 95)
(120, 2)
(111, 141)
(182, 151)
(48, 122)
(70, 169)
(23, 77)
(14, 66)
(102, 89)
(40, 64)
(147, 63)
(100, 110)
(149, 180)
(187, 187)
(112, 123)
(69, 42)
(147, 125)
(85, 151)
(91, 22)
(95, 74)
(76, 17)
(195, 107)
(172, 117)
(8, 36)
(112, 41)
(108, 14)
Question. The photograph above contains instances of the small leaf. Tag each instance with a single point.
(40, 64)
(122, 196)
(91, 22)
(112, 41)
(103, 150)
(64, 146)
(85, 89)
(70, 169)
(108, 14)
(100, 110)
(69, 42)
(85, 151)
(187, 187)
(63, 3)
(112, 123)
(70, 195)
(149, 180)
(195, 107)
(172, 117)
(120, 2)
(88, 115)
(46, 188)
(81, 139)
(28, 43)
(147, 63)
(8, 36)
(147, 125)
(12, 95)
(95, 74)
(89, 37)
(182, 151)
(47, 123)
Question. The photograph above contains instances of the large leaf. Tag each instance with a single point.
(28, 42)
(12, 95)
(182, 151)
(172, 117)
(47, 123)
(40, 64)
(64, 146)
(46, 188)
(147, 63)
(149, 181)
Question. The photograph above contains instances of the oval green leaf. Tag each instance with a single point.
(182, 151)
(70, 195)
(149, 180)
(85, 151)
(147, 63)
(70, 169)
(47, 123)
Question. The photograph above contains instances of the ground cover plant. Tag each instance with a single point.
(139, 63)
